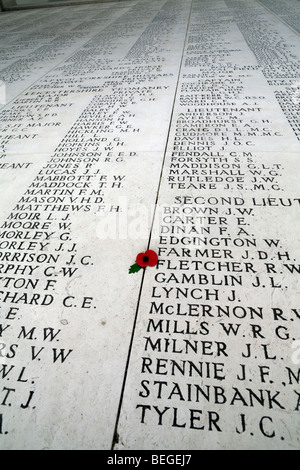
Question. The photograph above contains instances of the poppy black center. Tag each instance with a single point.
(145, 259)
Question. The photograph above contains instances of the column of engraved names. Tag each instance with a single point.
(220, 332)
(39, 259)
(275, 52)
(43, 255)
(38, 42)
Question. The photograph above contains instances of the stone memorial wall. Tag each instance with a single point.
(163, 125)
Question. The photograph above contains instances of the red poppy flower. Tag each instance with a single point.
(149, 258)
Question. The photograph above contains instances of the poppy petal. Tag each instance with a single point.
(140, 260)
(153, 258)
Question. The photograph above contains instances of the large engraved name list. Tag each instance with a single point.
(163, 125)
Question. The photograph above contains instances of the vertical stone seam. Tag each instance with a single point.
(115, 439)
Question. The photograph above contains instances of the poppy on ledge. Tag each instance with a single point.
(149, 258)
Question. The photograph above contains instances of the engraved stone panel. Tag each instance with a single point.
(163, 125)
